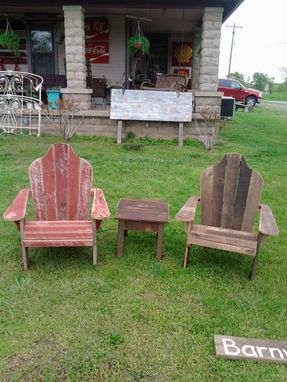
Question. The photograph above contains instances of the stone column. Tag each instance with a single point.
(75, 57)
(210, 46)
(196, 51)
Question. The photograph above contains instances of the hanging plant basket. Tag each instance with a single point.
(10, 40)
(138, 43)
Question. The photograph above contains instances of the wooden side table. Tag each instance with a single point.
(141, 215)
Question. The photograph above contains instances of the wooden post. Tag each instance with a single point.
(180, 134)
(119, 132)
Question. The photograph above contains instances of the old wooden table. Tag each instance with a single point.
(141, 215)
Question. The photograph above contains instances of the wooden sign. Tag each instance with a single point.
(250, 348)
(143, 105)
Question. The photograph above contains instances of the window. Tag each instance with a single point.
(42, 49)
(225, 83)
(235, 85)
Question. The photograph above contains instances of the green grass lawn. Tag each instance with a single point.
(133, 318)
(280, 96)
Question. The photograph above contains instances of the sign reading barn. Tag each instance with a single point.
(249, 348)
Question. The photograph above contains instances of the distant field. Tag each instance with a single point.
(282, 96)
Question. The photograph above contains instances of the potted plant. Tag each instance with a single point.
(138, 43)
(10, 40)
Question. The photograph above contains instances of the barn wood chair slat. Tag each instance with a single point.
(230, 197)
(61, 189)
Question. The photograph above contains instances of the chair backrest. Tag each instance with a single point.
(171, 80)
(230, 194)
(61, 184)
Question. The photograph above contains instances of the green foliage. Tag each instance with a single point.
(11, 41)
(138, 44)
(260, 80)
(237, 76)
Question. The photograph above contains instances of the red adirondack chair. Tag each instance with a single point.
(61, 188)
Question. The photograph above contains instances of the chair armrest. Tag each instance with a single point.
(100, 209)
(175, 85)
(187, 213)
(267, 222)
(17, 209)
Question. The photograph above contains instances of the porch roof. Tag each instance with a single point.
(41, 6)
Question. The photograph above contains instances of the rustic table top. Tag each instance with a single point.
(143, 210)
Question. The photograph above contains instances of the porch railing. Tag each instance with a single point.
(20, 102)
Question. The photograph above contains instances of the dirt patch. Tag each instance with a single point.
(30, 366)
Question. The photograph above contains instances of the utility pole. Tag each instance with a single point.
(234, 26)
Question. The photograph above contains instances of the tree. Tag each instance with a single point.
(237, 76)
(260, 80)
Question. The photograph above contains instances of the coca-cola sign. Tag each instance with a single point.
(98, 52)
(97, 29)
(97, 33)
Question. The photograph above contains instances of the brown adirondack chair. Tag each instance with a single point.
(61, 188)
(230, 196)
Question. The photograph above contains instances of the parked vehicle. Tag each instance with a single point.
(233, 88)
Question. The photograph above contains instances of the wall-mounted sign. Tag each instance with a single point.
(181, 53)
(249, 348)
(97, 29)
(98, 52)
(97, 32)
(182, 72)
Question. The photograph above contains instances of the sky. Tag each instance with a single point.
(261, 45)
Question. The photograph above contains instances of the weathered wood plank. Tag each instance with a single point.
(250, 348)
(217, 192)
(224, 236)
(62, 173)
(151, 106)
(267, 222)
(180, 134)
(230, 188)
(100, 209)
(119, 132)
(253, 200)
(17, 210)
(187, 212)
(73, 186)
(206, 187)
(241, 196)
(224, 247)
(85, 186)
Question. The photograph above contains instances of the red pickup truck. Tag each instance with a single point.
(233, 88)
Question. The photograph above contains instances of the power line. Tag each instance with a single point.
(234, 26)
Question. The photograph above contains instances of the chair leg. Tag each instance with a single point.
(95, 254)
(253, 269)
(186, 256)
(254, 262)
(25, 254)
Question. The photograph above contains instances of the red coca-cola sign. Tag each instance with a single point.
(97, 31)
(98, 52)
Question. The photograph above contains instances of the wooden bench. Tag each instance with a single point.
(140, 105)
(243, 107)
